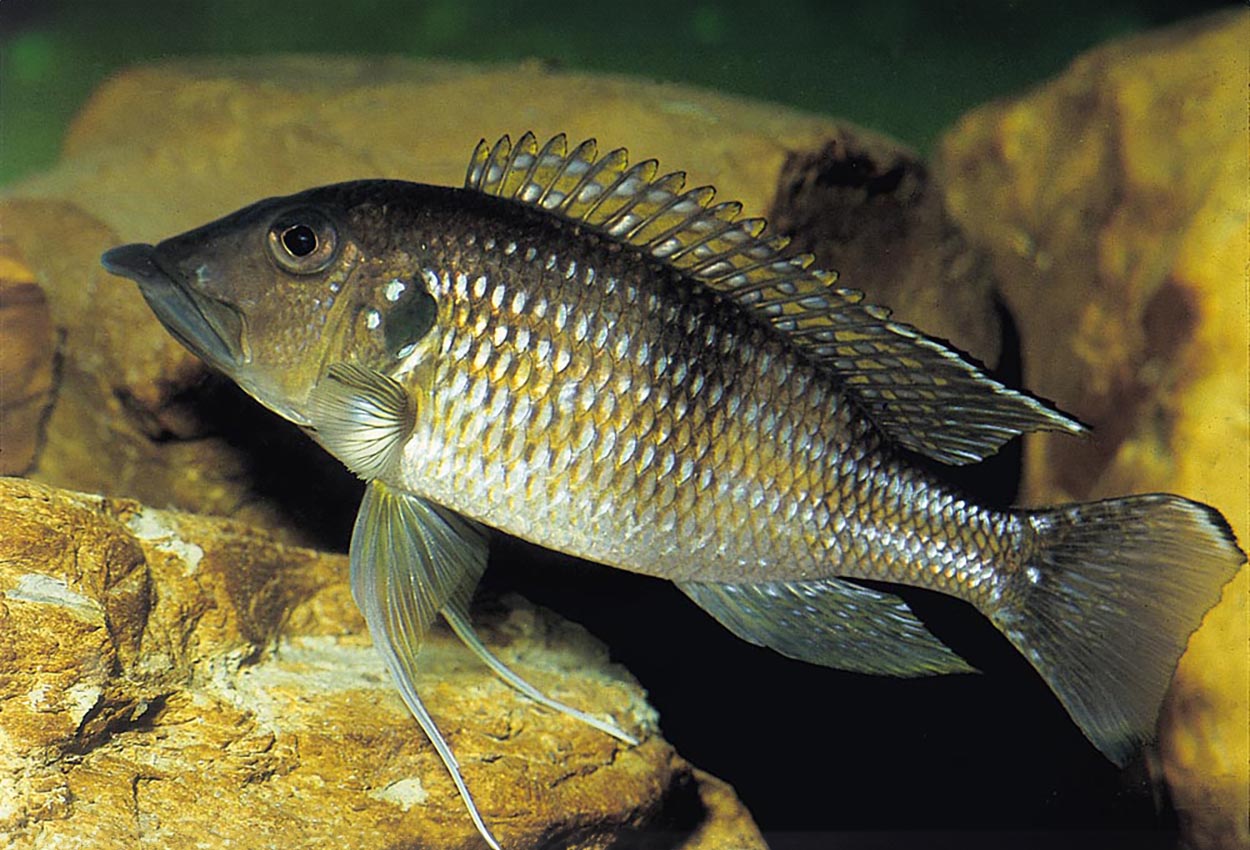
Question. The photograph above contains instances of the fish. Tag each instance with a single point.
(585, 354)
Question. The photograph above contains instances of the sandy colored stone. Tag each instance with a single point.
(861, 204)
(160, 149)
(1206, 722)
(27, 362)
(1114, 203)
(175, 681)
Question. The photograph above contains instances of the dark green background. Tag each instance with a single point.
(908, 68)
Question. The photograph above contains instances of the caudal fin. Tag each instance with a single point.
(1107, 598)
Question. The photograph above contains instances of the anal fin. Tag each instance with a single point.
(829, 622)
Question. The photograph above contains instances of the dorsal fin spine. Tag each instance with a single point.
(744, 246)
(555, 143)
(697, 197)
(752, 289)
(599, 166)
(617, 221)
(473, 174)
(525, 148)
(581, 159)
(918, 390)
(610, 160)
(715, 233)
(798, 298)
(502, 147)
(524, 156)
(635, 235)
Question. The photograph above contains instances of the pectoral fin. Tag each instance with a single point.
(362, 417)
(408, 560)
(829, 622)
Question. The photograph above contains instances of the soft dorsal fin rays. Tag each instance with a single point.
(921, 392)
(829, 622)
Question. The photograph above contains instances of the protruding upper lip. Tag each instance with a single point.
(209, 328)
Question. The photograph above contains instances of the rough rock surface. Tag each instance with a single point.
(27, 362)
(152, 660)
(1114, 204)
(860, 205)
(160, 149)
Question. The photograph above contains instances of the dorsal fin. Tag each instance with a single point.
(921, 392)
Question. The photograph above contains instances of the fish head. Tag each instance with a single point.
(275, 293)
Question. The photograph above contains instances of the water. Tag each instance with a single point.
(804, 746)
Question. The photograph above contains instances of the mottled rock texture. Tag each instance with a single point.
(155, 661)
(1114, 203)
(161, 149)
(27, 362)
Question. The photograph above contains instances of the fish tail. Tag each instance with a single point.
(1105, 600)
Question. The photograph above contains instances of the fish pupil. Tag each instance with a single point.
(299, 240)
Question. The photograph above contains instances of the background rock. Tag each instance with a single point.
(27, 362)
(862, 205)
(167, 679)
(1114, 204)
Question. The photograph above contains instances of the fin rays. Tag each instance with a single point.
(362, 417)
(1104, 609)
(457, 617)
(829, 622)
(918, 390)
(407, 561)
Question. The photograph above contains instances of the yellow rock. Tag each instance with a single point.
(170, 680)
(26, 362)
(1114, 203)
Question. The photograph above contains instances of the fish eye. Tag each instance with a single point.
(303, 241)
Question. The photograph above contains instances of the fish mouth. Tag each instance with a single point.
(211, 329)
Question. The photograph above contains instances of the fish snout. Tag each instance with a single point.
(134, 261)
(211, 329)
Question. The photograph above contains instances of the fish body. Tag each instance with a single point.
(590, 401)
(576, 352)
